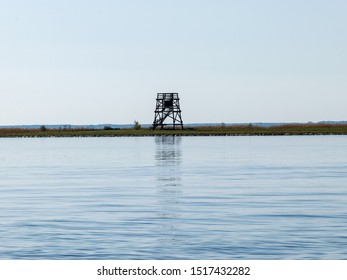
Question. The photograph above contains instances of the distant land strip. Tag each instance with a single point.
(220, 130)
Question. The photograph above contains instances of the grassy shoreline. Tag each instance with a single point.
(294, 129)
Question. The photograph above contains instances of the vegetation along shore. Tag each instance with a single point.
(222, 130)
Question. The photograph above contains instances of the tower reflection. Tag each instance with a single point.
(168, 181)
(168, 158)
(168, 150)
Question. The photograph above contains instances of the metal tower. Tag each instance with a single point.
(168, 106)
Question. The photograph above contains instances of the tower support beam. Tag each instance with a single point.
(167, 108)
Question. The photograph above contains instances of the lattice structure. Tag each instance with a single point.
(167, 107)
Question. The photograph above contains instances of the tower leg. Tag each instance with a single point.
(167, 106)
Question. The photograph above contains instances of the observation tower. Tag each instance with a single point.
(167, 107)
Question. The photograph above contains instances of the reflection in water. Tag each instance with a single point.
(168, 159)
(168, 150)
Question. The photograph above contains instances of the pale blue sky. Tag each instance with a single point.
(103, 61)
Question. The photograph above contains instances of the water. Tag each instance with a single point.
(174, 198)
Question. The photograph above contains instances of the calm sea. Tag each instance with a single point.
(174, 198)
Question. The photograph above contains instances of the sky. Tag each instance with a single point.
(104, 61)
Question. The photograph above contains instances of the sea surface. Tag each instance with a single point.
(281, 197)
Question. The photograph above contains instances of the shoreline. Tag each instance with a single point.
(286, 130)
